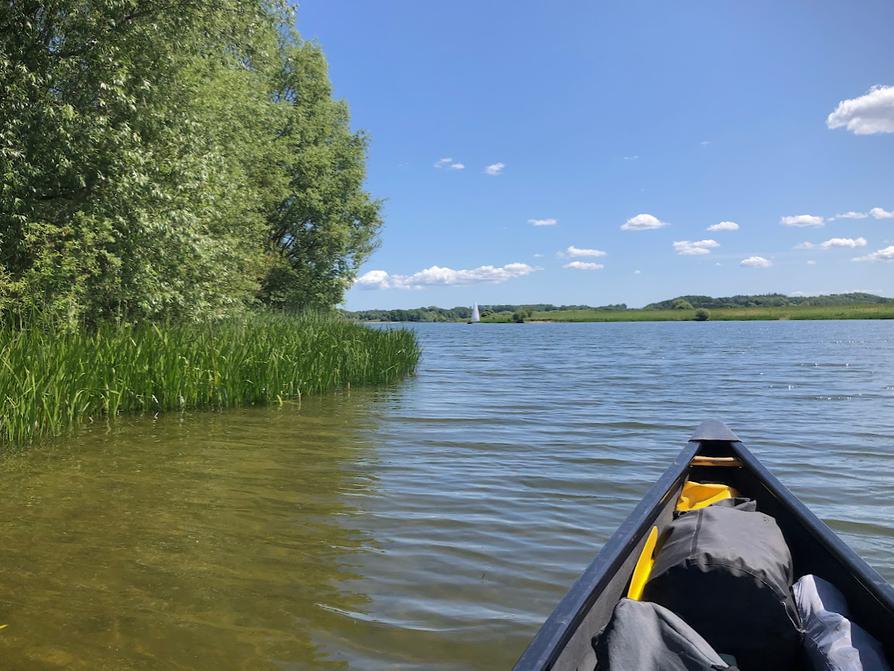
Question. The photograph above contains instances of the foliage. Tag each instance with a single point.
(795, 312)
(462, 313)
(521, 314)
(770, 300)
(702, 315)
(325, 226)
(52, 380)
(151, 151)
(681, 304)
(834, 306)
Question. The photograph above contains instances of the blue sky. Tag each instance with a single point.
(693, 113)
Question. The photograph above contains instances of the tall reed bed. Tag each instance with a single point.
(51, 380)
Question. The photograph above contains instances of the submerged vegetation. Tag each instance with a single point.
(53, 380)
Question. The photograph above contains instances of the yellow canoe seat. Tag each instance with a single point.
(643, 567)
(697, 495)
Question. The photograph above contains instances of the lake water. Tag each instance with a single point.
(433, 524)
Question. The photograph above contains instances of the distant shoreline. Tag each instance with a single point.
(780, 313)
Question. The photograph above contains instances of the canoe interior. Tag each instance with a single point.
(564, 641)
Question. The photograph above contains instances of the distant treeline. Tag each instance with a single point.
(436, 314)
(770, 300)
(462, 313)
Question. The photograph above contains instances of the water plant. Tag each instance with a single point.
(53, 379)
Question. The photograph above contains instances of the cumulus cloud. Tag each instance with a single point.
(495, 169)
(851, 215)
(643, 222)
(803, 221)
(448, 163)
(811, 262)
(543, 222)
(695, 248)
(374, 279)
(869, 114)
(879, 213)
(846, 243)
(442, 276)
(724, 226)
(756, 262)
(574, 252)
(886, 254)
(805, 245)
(583, 265)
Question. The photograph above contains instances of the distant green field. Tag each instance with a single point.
(717, 314)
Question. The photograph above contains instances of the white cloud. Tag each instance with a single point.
(543, 222)
(696, 248)
(802, 221)
(495, 169)
(574, 252)
(886, 254)
(636, 272)
(631, 158)
(724, 226)
(442, 276)
(805, 245)
(705, 143)
(448, 163)
(756, 262)
(374, 279)
(879, 213)
(851, 215)
(847, 243)
(870, 113)
(643, 222)
(811, 262)
(583, 265)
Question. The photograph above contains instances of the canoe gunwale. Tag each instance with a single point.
(873, 583)
(561, 625)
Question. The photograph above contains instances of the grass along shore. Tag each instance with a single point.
(51, 381)
(882, 311)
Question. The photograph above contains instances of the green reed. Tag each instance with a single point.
(52, 380)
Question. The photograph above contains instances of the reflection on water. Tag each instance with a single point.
(433, 524)
(212, 542)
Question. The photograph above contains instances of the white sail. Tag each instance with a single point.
(476, 316)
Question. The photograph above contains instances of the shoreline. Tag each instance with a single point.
(786, 313)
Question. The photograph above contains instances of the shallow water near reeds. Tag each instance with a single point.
(429, 524)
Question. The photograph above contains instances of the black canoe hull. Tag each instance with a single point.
(563, 642)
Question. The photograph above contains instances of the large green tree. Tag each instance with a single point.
(172, 159)
(326, 225)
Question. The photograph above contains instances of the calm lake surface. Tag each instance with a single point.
(433, 524)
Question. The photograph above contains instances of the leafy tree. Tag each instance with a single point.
(326, 225)
(132, 136)
(176, 159)
(702, 315)
(682, 304)
(521, 314)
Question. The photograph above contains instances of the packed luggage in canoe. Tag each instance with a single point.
(720, 567)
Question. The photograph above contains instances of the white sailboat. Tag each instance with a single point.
(476, 316)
